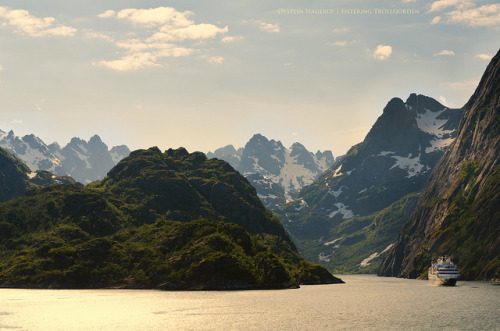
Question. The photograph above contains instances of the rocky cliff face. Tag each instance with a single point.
(458, 212)
(13, 176)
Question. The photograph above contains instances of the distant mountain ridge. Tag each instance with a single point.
(278, 173)
(375, 181)
(82, 160)
(458, 212)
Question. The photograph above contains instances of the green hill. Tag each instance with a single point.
(169, 220)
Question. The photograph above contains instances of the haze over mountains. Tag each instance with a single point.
(82, 160)
(354, 211)
(278, 173)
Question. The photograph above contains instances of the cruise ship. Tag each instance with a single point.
(443, 272)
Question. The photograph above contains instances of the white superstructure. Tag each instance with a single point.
(443, 272)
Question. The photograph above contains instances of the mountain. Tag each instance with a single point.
(171, 220)
(276, 172)
(31, 150)
(84, 161)
(16, 178)
(346, 206)
(228, 154)
(458, 212)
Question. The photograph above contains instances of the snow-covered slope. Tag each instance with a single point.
(84, 161)
(31, 150)
(277, 173)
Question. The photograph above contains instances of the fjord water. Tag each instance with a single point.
(364, 302)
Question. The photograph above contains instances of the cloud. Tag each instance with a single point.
(196, 31)
(443, 4)
(445, 52)
(216, 59)
(98, 35)
(23, 22)
(1, 67)
(340, 43)
(17, 121)
(487, 15)
(382, 52)
(268, 27)
(131, 62)
(107, 14)
(484, 57)
(139, 58)
(436, 20)
(337, 30)
(165, 28)
(466, 13)
(230, 39)
(462, 86)
(442, 100)
(409, 1)
(155, 16)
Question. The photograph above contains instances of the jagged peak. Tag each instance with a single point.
(229, 149)
(121, 149)
(395, 104)
(55, 146)
(76, 140)
(95, 139)
(421, 102)
(258, 136)
(297, 145)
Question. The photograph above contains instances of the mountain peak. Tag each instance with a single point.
(297, 146)
(420, 103)
(95, 139)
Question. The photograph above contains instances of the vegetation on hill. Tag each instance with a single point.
(169, 220)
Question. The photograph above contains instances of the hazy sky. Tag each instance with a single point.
(204, 74)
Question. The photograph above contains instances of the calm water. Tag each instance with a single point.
(364, 302)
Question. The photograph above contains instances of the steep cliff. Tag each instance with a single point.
(458, 212)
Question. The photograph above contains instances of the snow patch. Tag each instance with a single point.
(366, 262)
(385, 153)
(439, 144)
(429, 123)
(338, 172)
(342, 209)
(411, 165)
(333, 241)
(337, 193)
(302, 205)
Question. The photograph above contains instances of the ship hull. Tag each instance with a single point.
(436, 280)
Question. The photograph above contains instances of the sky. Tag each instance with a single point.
(205, 74)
